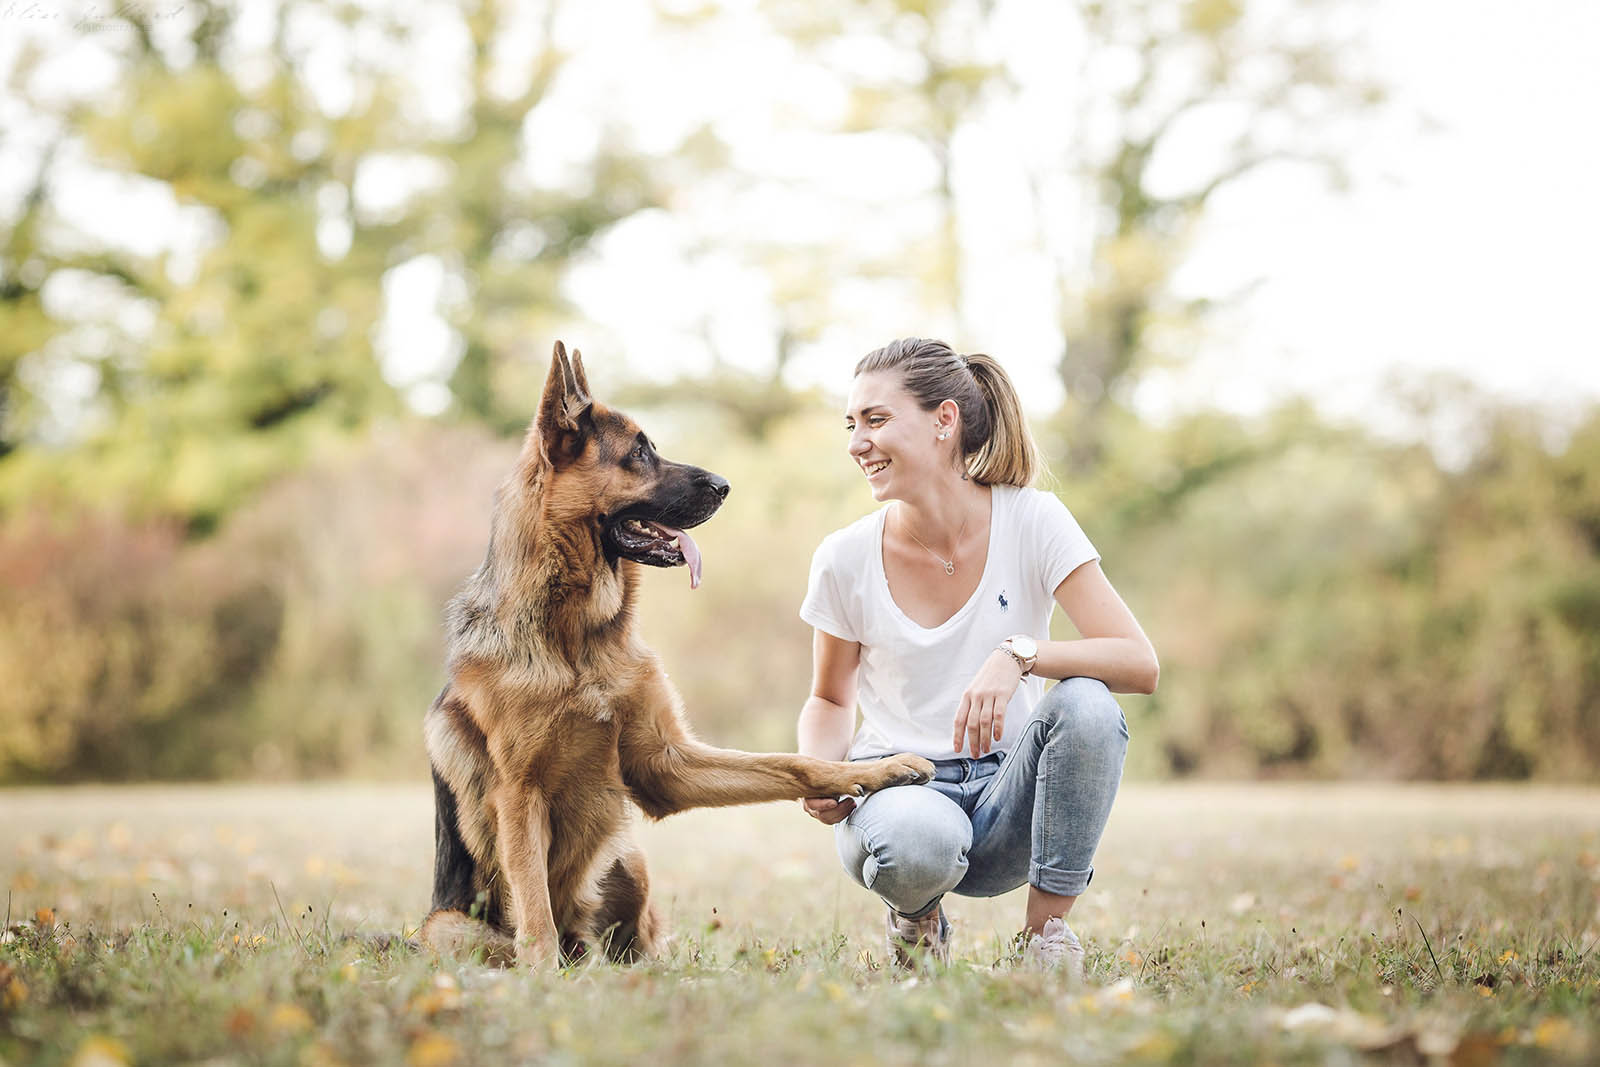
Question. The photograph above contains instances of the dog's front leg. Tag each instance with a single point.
(668, 770)
(524, 829)
(689, 774)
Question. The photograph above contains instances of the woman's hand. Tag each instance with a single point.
(827, 810)
(982, 714)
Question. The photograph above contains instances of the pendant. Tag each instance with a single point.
(949, 567)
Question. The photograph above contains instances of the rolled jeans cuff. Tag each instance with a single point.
(1062, 883)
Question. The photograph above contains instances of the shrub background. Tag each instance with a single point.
(1325, 604)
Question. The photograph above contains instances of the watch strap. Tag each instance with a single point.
(1025, 663)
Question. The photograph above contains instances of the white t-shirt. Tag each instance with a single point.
(911, 677)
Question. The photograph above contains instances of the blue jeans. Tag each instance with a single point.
(984, 826)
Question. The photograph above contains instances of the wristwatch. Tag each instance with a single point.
(1023, 649)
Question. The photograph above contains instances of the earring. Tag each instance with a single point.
(944, 434)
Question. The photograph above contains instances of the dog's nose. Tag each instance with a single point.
(716, 483)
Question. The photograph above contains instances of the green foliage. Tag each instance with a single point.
(1330, 604)
(1323, 603)
(208, 379)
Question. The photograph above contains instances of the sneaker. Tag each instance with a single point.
(927, 937)
(1055, 948)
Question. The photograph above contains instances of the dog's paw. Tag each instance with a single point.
(904, 769)
(451, 933)
(538, 954)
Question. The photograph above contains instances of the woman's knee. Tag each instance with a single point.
(905, 848)
(1084, 711)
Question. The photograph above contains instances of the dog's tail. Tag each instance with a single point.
(454, 933)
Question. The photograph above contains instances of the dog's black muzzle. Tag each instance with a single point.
(686, 497)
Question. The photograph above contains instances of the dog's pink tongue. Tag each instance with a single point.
(691, 554)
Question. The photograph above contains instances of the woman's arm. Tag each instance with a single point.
(1113, 648)
(828, 719)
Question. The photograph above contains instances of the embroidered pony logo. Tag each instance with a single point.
(1005, 605)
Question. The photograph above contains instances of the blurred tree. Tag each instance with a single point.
(305, 165)
(1229, 87)
(1263, 84)
(937, 70)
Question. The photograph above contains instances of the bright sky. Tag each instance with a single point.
(1466, 242)
(1471, 248)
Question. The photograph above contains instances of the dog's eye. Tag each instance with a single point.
(637, 453)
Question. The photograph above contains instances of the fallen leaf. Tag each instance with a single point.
(1344, 1026)
(1558, 1035)
(1479, 1049)
(241, 1022)
(432, 1049)
(320, 1054)
(1309, 1015)
(1437, 1042)
(288, 1019)
(435, 1001)
(1120, 992)
(100, 1052)
(1157, 1047)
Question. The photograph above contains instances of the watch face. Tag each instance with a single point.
(1026, 646)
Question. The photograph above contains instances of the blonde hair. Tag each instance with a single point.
(996, 447)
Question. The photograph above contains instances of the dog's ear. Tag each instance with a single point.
(577, 372)
(565, 418)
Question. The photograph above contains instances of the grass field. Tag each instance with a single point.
(1273, 923)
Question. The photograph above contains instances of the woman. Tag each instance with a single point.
(933, 612)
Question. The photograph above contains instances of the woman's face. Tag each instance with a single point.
(893, 441)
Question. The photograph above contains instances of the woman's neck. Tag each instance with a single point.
(940, 515)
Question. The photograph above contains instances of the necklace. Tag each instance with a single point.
(948, 564)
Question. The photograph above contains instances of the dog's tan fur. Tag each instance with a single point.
(557, 719)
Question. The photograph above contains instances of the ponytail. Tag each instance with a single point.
(996, 447)
(1009, 455)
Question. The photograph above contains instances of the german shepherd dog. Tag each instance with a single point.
(556, 716)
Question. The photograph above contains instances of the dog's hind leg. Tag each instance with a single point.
(626, 922)
(450, 929)
(454, 869)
